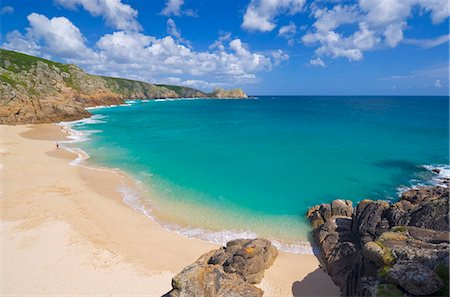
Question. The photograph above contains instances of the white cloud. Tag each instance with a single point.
(317, 62)
(194, 83)
(429, 43)
(7, 10)
(116, 14)
(231, 61)
(172, 29)
(381, 24)
(218, 44)
(437, 84)
(289, 32)
(56, 36)
(393, 34)
(135, 55)
(18, 42)
(260, 14)
(173, 7)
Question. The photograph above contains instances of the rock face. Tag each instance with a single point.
(415, 278)
(35, 90)
(378, 249)
(223, 94)
(228, 271)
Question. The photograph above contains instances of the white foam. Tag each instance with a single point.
(76, 136)
(165, 99)
(132, 198)
(441, 176)
(441, 170)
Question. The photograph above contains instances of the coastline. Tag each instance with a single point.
(136, 195)
(70, 214)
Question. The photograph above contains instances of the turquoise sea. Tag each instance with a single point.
(220, 168)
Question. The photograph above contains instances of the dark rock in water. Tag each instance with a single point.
(228, 271)
(415, 278)
(378, 248)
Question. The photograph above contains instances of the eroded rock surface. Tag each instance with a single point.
(35, 90)
(377, 248)
(229, 271)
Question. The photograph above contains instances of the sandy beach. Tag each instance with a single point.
(66, 231)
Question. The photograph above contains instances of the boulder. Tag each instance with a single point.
(229, 271)
(246, 257)
(415, 278)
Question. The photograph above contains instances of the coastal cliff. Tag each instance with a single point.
(35, 90)
(382, 249)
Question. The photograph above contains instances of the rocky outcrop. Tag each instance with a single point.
(229, 271)
(415, 278)
(379, 249)
(223, 94)
(35, 90)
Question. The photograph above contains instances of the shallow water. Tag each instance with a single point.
(255, 166)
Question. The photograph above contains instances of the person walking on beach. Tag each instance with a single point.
(57, 145)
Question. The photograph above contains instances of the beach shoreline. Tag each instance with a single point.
(141, 196)
(51, 208)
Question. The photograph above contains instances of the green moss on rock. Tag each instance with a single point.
(388, 290)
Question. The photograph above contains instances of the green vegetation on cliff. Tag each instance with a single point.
(36, 90)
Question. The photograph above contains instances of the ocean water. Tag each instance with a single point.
(217, 169)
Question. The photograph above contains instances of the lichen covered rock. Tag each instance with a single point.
(229, 271)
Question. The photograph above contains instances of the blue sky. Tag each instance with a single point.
(286, 47)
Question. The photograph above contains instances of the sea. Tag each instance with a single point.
(223, 169)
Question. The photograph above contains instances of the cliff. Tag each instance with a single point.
(382, 249)
(223, 94)
(35, 90)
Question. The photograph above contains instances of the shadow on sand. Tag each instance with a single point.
(314, 284)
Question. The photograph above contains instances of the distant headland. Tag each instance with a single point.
(36, 90)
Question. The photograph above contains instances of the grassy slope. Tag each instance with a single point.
(22, 62)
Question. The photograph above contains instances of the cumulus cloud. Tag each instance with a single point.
(139, 56)
(18, 42)
(56, 36)
(380, 24)
(173, 7)
(116, 14)
(231, 61)
(260, 14)
(194, 83)
(7, 10)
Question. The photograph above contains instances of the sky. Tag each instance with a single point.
(266, 47)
